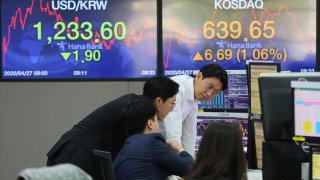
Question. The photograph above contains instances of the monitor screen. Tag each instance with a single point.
(92, 39)
(205, 118)
(277, 105)
(234, 98)
(259, 139)
(315, 163)
(254, 71)
(230, 32)
(306, 101)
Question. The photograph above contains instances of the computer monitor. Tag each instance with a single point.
(282, 160)
(314, 170)
(254, 70)
(205, 118)
(258, 141)
(276, 103)
(306, 101)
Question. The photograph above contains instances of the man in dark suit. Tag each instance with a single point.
(146, 154)
(102, 129)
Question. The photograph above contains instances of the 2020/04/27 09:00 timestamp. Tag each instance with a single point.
(24, 73)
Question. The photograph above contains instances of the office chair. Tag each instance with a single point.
(105, 161)
(59, 171)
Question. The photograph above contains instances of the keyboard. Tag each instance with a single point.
(254, 174)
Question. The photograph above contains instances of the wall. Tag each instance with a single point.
(33, 116)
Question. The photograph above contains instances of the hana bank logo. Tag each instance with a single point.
(78, 5)
(238, 4)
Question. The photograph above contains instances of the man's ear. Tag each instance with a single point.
(199, 75)
(158, 101)
(150, 124)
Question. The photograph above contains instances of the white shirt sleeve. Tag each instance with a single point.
(173, 121)
(182, 129)
(189, 131)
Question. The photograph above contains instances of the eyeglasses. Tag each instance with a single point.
(172, 103)
(210, 87)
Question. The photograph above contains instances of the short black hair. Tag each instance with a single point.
(215, 70)
(136, 113)
(160, 86)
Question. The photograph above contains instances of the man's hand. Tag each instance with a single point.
(175, 146)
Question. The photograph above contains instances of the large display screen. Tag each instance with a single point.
(78, 39)
(230, 32)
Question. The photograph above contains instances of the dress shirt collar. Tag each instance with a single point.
(190, 90)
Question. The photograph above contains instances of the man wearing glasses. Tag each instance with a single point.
(180, 124)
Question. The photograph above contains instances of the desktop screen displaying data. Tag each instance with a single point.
(235, 97)
(315, 163)
(255, 70)
(205, 118)
(307, 110)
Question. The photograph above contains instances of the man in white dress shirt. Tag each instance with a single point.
(180, 124)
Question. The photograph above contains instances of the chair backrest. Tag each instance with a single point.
(59, 171)
(105, 161)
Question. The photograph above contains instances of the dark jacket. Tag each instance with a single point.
(147, 156)
(99, 130)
